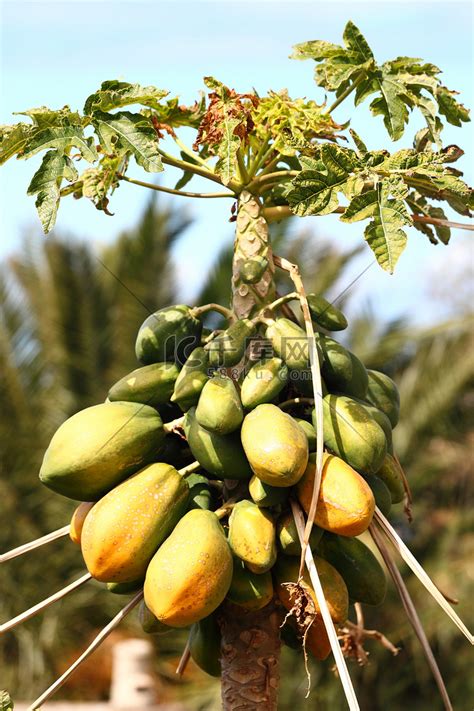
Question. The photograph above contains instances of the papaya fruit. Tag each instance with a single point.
(302, 381)
(123, 530)
(390, 473)
(169, 334)
(266, 495)
(77, 521)
(336, 367)
(252, 270)
(248, 589)
(381, 419)
(200, 495)
(220, 455)
(205, 645)
(219, 408)
(100, 446)
(228, 348)
(326, 314)
(383, 393)
(381, 493)
(358, 384)
(264, 381)
(275, 445)
(345, 504)
(191, 379)
(149, 623)
(190, 574)
(352, 434)
(286, 570)
(362, 573)
(252, 536)
(151, 385)
(290, 342)
(125, 588)
(310, 433)
(287, 535)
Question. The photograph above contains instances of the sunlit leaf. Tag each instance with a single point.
(131, 132)
(46, 183)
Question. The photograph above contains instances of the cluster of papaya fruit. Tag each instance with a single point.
(213, 415)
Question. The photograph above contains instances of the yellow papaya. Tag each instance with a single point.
(249, 590)
(219, 408)
(275, 445)
(345, 504)
(100, 446)
(151, 385)
(391, 474)
(77, 521)
(252, 536)
(124, 529)
(205, 645)
(190, 574)
(287, 535)
(264, 381)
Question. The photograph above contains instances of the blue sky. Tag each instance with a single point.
(57, 53)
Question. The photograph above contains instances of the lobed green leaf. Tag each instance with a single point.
(115, 94)
(130, 132)
(46, 183)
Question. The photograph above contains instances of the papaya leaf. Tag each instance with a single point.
(98, 183)
(391, 104)
(359, 143)
(133, 133)
(46, 184)
(227, 150)
(420, 206)
(60, 138)
(384, 234)
(13, 140)
(454, 112)
(115, 94)
(316, 192)
(6, 703)
(43, 117)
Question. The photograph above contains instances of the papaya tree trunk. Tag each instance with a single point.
(250, 652)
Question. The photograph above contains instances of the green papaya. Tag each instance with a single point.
(352, 433)
(220, 455)
(200, 495)
(169, 334)
(123, 530)
(381, 419)
(381, 492)
(275, 445)
(362, 573)
(205, 645)
(252, 536)
(336, 367)
(219, 408)
(100, 446)
(383, 393)
(250, 590)
(190, 574)
(228, 348)
(357, 386)
(125, 588)
(264, 381)
(391, 474)
(290, 342)
(252, 270)
(326, 314)
(287, 535)
(149, 623)
(309, 431)
(191, 379)
(151, 385)
(302, 381)
(266, 495)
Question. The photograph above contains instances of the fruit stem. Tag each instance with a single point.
(189, 468)
(282, 300)
(185, 657)
(172, 426)
(224, 510)
(227, 313)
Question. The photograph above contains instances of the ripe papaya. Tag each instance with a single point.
(362, 573)
(191, 379)
(248, 589)
(252, 270)
(336, 367)
(228, 348)
(124, 529)
(252, 536)
(190, 574)
(351, 433)
(205, 645)
(264, 381)
(310, 433)
(381, 492)
(290, 342)
(219, 408)
(326, 314)
(100, 446)
(151, 385)
(77, 521)
(200, 495)
(345, 504)
(220, 455)
(390, 473)
(383, 393)
(169, 334)
(150, 624)
(275, 445)
(125, 588)
(266, 495)
(357, 386)
(287, 535)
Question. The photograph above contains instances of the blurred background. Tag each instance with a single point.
(68, 326)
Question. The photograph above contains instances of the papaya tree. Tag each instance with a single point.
(225, 482)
